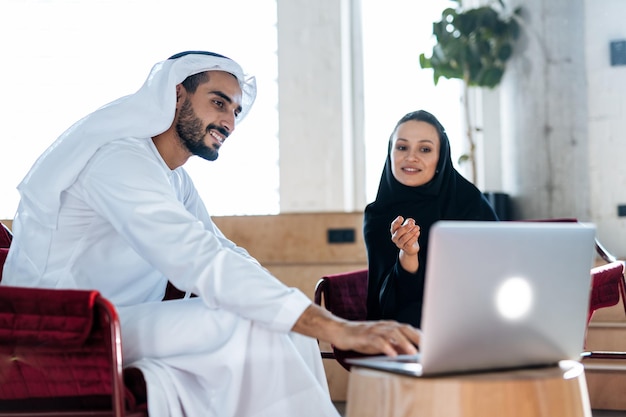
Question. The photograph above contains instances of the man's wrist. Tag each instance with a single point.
(320, 323)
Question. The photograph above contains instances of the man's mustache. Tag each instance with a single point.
(221, 130)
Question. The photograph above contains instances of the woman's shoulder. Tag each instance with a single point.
(472, 202)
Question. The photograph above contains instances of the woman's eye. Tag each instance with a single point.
(426, 150)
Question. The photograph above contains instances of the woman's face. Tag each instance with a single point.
(414, 153)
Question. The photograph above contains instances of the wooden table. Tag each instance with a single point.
(559, 391)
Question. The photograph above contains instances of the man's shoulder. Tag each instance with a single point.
(126, 145)
(128, 152)
(131, 148)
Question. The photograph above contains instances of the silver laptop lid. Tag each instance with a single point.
(505, 294)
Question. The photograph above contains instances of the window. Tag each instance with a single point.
(395, 32)
(66, 58)
(62, 59)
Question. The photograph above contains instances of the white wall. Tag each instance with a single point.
(562, 118)
(342, 90)
(606, 118)
(317, 107)
(543, 116)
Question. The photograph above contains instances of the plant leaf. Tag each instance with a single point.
(472, 45)
(425, 62)
(463, 158)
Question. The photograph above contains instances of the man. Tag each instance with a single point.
(109, 206)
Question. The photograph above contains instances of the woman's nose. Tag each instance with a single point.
(413, 156)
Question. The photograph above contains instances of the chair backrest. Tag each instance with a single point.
(71, 367)
(607, 287)
(5, 236)
(5, 242)
(344, 294)
(61, 353)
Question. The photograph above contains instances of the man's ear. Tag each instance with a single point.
(179, 92)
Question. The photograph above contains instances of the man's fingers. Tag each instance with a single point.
(404, 341)
(412, 334)
(388, 346)
(380, 337)
(399, 339)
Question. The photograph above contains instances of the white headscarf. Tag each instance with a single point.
(147, 113)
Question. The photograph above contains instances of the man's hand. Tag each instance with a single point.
(388, 337)
(370, 337)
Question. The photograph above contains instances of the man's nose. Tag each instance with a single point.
(228, 122)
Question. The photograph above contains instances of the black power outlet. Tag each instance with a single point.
(341, 236)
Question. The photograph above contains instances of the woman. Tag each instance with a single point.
(418, 187)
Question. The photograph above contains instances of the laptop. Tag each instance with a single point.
(500, 295)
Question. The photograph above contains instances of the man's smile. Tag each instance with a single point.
(218, 137)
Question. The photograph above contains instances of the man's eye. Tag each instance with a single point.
(218, 103)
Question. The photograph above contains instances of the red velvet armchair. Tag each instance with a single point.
(345, 296)
(5, 242)
(608, 286)
(61, 354)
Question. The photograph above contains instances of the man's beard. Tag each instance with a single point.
(191, 134)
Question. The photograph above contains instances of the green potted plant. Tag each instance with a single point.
(473, 45)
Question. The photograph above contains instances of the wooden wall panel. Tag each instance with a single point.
(606, 378)
(606, 387)
(295, 247)
(296, 238)
(607, 329)
(337, 378)
(612, 314)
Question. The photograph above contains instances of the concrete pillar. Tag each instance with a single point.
(606, 92)
(320, 106)
(544, 114)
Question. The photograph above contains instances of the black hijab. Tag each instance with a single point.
(394, 293)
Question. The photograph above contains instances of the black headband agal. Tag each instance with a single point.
(181, 54)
